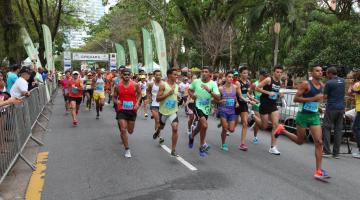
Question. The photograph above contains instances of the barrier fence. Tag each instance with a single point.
(17, 123)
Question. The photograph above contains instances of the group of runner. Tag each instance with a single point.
(232, 95)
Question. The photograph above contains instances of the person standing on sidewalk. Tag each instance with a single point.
(355, 90)
(334, 92)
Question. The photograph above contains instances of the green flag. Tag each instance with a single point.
(133, 56)
(30, 49)
(48, 47)
(148, 51)
(160, 46)
(120, 57)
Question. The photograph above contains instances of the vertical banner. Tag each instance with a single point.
(120, 54)
(67, 60)
(30, 49)
(112, 61)
(148, 51)
(48, 47)
(160, 46)
(133, 56)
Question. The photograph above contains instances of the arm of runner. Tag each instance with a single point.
(214, 92)
(115, 94)
(138, 95)
(161, 96)
(263, 83)
(221, 101)
(148, 91)
(304, 87)
(237, 83)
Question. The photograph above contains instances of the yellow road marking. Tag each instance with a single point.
(36, 183)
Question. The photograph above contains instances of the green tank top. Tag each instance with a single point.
(169, 105)
(256, 93)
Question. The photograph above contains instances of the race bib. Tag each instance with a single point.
(88, 87)
(311, 106)
(74, 90)
(99, 87)
(204, 102)
(229, 102)
(274, 97)
(170, 104)
(128, 105)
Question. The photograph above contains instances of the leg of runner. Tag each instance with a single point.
(161, 125)
(155, 114)
(244, 121)
(256, 129)
(203, 125)
(73, 112)
(124, 137)
(174, 138)
(145, 107)
(224, 131)
(274, 116)
(97, 105)
(101, 103)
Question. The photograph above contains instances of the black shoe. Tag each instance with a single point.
(156, 135)
(97, 116)
(174, 154)
(161, 140)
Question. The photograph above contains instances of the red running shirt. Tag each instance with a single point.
(75, 91)
(127, 96)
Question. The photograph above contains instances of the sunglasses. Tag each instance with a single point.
(126, 74)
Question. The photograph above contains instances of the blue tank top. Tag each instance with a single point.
(230, 101)
(311, 106)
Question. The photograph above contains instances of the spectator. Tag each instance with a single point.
(12, 76)
(4, 95)
(20, 87)
(10, 101)
(38, 76)
(44, 74)
(32, 80)
(334, 92)
(355, 90)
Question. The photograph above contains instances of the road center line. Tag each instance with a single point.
(180, 159)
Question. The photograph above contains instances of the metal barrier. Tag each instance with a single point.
(17, 123)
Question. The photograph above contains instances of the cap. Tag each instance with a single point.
(75, 72)
(263, 72)
(236, 73)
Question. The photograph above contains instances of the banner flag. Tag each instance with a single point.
(133, 56)
(160, 46)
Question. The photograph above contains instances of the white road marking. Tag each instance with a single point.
(184, 162)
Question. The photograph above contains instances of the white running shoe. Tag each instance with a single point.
(127, 153)
(356, 155)
(274, 151)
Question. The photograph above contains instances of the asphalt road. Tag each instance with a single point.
(87, 162)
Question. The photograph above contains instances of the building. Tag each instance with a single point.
(90, 11)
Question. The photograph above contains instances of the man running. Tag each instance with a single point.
(152, 91)
(99, 92)
(263, 74)
(128, 95)
(309, 95)
(270, 92)
(75, 95)
(65, 87)
(183, 86)
(168, 98)
(89, 90)
(189, 109)
(203, 91)
(143, 86)
(228, 92)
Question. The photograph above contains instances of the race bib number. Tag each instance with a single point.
(170, 103)
(74, 90)
(274, 97)
(128, 105)
(204, 102)
(311, 106)
(229, 102)
(99, 87)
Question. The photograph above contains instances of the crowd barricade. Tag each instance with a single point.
(17, 123)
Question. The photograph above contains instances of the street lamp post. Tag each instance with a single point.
(276, 49)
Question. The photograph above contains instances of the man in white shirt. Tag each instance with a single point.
(20, 87)
(183, 86)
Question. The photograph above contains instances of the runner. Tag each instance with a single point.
(128, 95)
(99, 94)
(108, 83)
(143, 86)
(168, 98)
(152, 91)
(270, 89)
(183, 86)
(202, 91)
(65, 87)
(243, 110)
(189, 109)
(228, 92)
(89, 90)
(255, 108)
(75, 95)
(309, 95)
(115, 81)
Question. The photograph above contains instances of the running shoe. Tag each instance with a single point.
(202, 151)
(224, 147)
(127, 153)
(145, 115)
(356, 155)
(274, 151)
(174, 154)
(161, 140)
(326, 155)
(75, 123)
(279, 130)
(243, 147)
(336, 156)
(321, 174)
(97, 116)
(207, 147)
(191, 141)
(156, 135)
(189, 132)
(255, 140)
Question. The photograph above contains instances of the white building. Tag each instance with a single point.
(90, 11)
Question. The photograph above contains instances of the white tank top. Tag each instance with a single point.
(154, 91)
(143, 87)
(99, 85)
